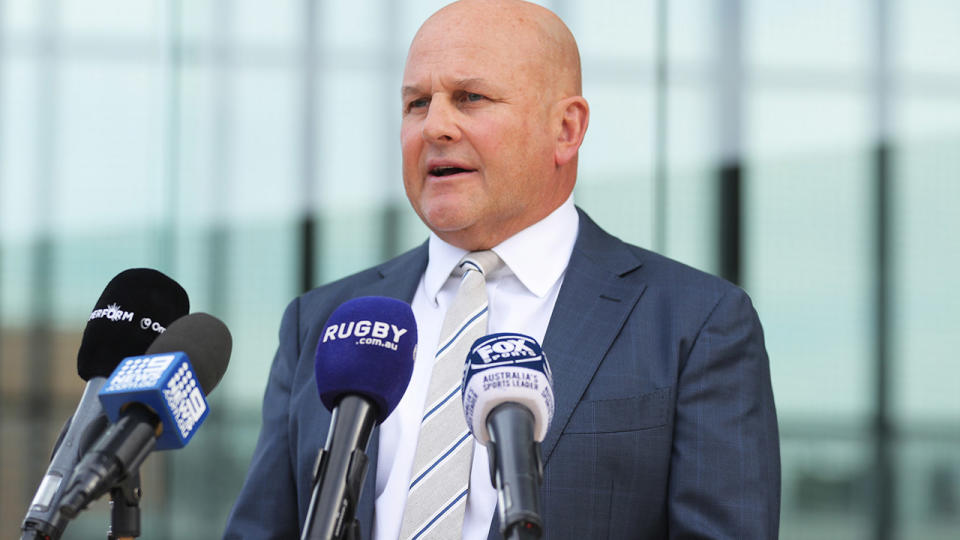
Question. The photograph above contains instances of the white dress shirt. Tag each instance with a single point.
(521, 297)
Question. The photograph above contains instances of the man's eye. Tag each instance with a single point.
(471, 97)
(417, 103)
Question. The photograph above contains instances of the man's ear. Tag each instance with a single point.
(574, 114)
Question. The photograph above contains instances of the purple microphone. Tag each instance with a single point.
(363, 365)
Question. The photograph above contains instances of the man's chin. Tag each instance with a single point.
(455, 228)
(448, 224)
(448, 212)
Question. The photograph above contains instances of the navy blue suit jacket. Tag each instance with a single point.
(664, 425)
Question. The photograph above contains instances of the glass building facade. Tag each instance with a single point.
(809, 151)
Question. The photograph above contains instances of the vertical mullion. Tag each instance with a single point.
(729, 72)
(38, 405)
(660, 198)
(883, 432)
(885, 519)
(223, 66)
(166, 248)
(390, 232)
(308, 159)
(3, 62)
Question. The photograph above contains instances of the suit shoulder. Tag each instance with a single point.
(686, 299)
(668, 279)
(634, 262)
(677, 274)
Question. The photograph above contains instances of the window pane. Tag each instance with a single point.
(817, 35)
(263, 152)
(609, 30)
(20, 200)
(616, 159)
(926, 256)
(927, 37)
(109, 146)
(809, 259)
(129, 19)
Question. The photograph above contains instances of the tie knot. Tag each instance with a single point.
(485, 262)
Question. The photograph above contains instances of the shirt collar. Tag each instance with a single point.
(537, 255)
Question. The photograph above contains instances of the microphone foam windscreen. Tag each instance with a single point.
(367, 348)
(133, 310)
(506, 368)
(207, 342)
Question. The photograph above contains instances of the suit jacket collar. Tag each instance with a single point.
(399, 276)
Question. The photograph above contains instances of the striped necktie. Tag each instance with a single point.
(440, 475)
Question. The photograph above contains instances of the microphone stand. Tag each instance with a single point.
(125, 509)
(337, 484)
(517, 476)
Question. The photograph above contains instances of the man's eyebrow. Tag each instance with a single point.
(409, 90)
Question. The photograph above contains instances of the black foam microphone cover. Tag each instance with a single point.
(135, 307)
(207, 342)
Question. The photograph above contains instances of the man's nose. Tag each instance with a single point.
(440, 124)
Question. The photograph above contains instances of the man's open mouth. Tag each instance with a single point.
(448, 171)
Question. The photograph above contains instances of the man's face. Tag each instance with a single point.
(478, 157)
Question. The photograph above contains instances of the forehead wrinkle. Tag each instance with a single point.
(469, 81)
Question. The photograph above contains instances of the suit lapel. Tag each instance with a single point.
(399, 277)
(594, 303)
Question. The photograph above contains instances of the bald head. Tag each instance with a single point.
(533, 34)
(492, 119)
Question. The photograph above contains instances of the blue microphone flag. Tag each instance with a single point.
(167, 384)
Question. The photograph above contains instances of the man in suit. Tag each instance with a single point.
(664, 424)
